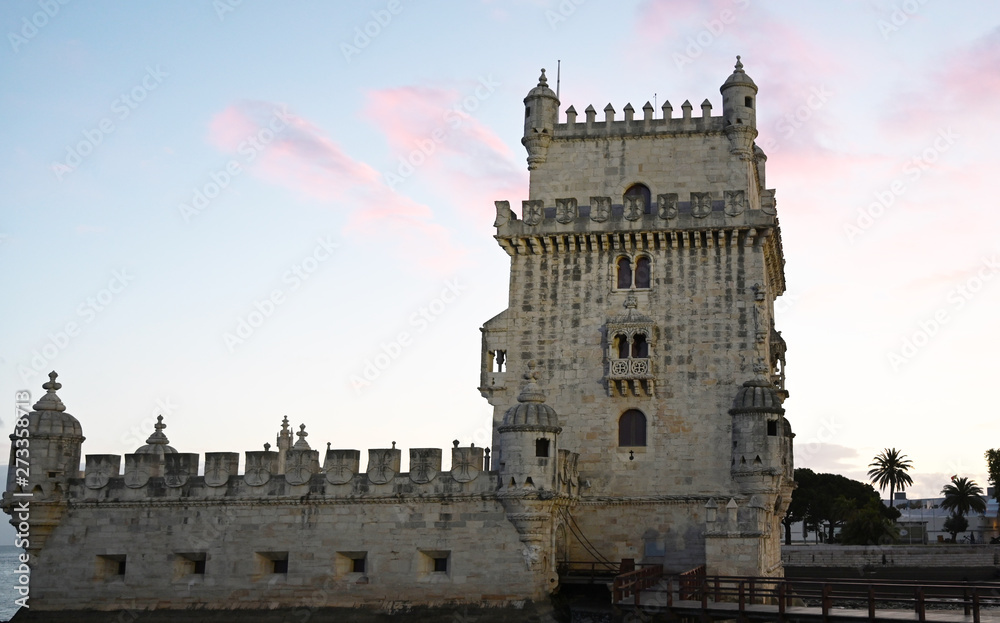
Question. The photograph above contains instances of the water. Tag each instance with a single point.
(8, 581)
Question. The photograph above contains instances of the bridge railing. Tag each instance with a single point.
(781, 593)
(632, 583)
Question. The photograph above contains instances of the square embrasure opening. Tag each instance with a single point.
(189, 564)
(435, 563)
(351, 562)
(110, 567)
(270, 563)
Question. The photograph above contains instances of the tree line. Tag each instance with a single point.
(828, 502)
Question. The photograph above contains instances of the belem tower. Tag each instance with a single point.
(636, 380)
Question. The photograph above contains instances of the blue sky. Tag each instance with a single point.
(878, 119)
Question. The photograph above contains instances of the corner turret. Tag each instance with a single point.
(739, 110)
(44, 454)
(528, 438)
(541, 110)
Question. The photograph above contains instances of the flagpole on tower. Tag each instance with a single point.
(558, 72)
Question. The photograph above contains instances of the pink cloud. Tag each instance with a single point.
(964, 83)
(289, 151)
(434, 136)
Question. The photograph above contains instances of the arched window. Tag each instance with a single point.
(642, 191)
(632, 428)
(642, 272)
(624, 273)
(621, 345)
(640, 348)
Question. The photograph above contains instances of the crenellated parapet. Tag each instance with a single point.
(340, 475)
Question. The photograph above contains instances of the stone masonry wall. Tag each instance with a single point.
(240, 539)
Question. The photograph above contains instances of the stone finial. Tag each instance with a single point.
(328, 444)
(284, 424)
(739, 65)
(267, 447)
(394, 443)
(455, 443)
(531, 392)
(543, 81)
(158, 437)
(50, 401)
(302, 444)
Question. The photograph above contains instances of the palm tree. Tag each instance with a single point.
(963, 495)
(889, 469)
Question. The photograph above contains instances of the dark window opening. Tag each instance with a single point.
(199, 567)
(621, 345)
(280, 566)
(542, 447)
(772, 428)
(500, 360)
(121, 567)
(642, 272)
(441, 565)
(642, 191)
(748, 102)
(527, 111)
(624, 273)
(632, 428)
(357, 565)
(640, 348)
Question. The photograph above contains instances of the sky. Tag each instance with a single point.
(229, 211)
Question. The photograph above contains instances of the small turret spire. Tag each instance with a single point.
(739, 64)
(50, 401)
(542, 80)
(302, 444)
(158, 437)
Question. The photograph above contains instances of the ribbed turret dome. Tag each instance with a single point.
(157, 442)
(542, 90)
(739, 78)
(757, 396)
(531, 412)
(49, 416)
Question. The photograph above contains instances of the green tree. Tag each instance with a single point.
(993, 467)
(963, 495)
(827, 500)
(889, 470)
(869, 525)
(954, 524)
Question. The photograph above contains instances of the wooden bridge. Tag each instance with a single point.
(646, 592)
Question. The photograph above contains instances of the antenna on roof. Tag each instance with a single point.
(558, 71)
(654, 101)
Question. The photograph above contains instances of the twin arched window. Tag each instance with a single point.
(641, 192)
(632, 428)
(640, 276)
(638, 349)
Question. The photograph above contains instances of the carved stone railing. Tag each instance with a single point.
(630, 369)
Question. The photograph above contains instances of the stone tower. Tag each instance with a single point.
(41, 464)
(644, 269)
